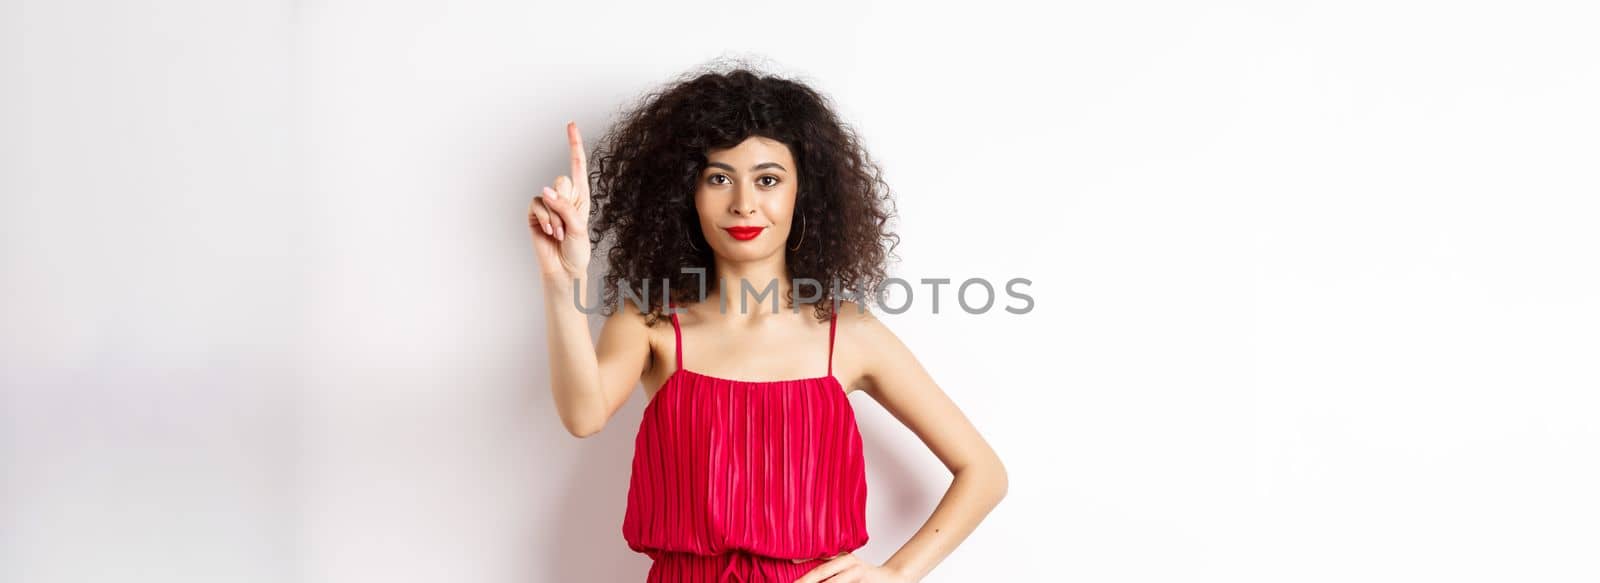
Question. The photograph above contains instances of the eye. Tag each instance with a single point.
(775, 180)
(714, 178)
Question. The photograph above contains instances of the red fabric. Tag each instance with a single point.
(731, 478)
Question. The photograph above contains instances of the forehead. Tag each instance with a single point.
(753, 150)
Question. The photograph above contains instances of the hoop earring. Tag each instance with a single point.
(690, 237)
(802, 234)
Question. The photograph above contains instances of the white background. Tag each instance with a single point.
(1317, 294)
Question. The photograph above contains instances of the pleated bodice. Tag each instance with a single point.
(769, 468)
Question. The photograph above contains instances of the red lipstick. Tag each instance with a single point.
(743, 233)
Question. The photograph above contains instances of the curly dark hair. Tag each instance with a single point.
(646, 168)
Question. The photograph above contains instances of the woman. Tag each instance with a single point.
(747, 464)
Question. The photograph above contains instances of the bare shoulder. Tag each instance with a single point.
(626, 340)
(627, 318)
(853, 316)
(862, 343)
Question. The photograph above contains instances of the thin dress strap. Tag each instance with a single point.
(677, 335)
(833, 323)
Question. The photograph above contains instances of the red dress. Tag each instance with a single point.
(732, 479)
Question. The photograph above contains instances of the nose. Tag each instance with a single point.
(743, 204)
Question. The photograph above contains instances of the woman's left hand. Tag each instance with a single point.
(848, 568)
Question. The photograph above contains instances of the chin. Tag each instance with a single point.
(745, 252)
(749, 254)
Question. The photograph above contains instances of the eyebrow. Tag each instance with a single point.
(752, 168)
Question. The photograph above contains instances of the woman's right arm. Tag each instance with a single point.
(589, 383)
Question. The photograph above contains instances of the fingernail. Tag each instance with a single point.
(561, 234)
(548, 230)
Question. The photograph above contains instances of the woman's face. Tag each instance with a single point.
(752, 184)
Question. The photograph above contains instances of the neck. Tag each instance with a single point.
(769, 276)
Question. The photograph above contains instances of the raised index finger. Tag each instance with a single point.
(580, 160)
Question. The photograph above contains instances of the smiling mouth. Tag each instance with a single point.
(744, 233)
